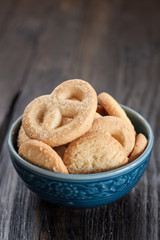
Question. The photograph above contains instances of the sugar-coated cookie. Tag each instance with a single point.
(118, 128)
(42, 155)
(43, 116)
(93, 153)
(140, 145)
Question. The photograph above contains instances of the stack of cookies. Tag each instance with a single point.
(67, 132)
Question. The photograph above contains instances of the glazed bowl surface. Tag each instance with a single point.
(83, 190)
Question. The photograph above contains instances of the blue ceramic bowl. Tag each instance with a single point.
(89, 190)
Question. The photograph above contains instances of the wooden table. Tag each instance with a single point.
(114, 45)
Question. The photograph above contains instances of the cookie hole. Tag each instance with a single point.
(74, 99)
(65, 120)
(40, 117)
(73, 95)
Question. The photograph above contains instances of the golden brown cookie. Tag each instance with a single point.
(140, 145)
(42, 117)
(112, 106)
(22, 137)
(97, 115)
(118, 128)
(93, 153)
(42, 155)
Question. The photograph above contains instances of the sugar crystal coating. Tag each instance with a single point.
(37, 115)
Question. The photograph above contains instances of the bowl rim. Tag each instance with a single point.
(83, 177)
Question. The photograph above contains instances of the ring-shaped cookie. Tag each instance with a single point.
(43, 116)
(140, 145)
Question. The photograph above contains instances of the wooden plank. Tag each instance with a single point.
(108, 44)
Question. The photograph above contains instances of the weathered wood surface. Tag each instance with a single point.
(114, 45)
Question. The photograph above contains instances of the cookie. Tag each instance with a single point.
(140, 145)
(42, 155)
(112, 106)
(118, 128)
(97, 115)
(22, 137)
(43, 116)
(93, 153)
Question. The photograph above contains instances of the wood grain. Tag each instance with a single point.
(114, 45)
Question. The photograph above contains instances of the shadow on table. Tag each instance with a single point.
(106, 222)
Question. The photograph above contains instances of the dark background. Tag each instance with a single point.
(115, 46)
